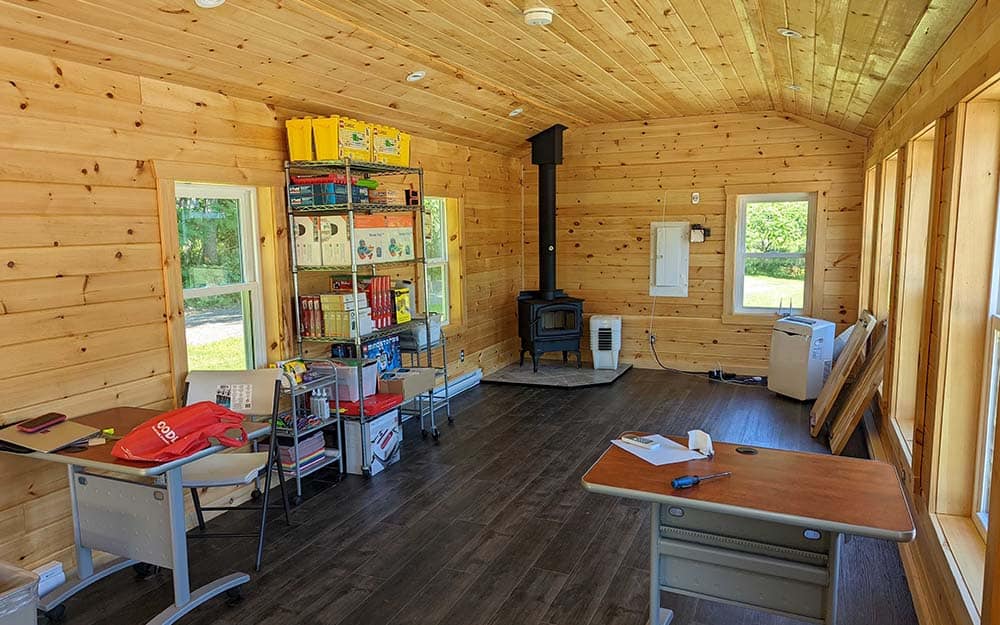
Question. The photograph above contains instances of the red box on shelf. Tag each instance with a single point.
(374, 405)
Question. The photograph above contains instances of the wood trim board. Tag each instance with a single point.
(859, 395)
(841, 369)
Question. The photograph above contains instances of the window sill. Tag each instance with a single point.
(750, 319)
(966, 552)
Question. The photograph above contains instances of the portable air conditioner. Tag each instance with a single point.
(606, 340)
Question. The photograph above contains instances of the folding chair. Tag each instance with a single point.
(252, 393)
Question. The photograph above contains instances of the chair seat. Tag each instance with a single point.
(232, 469)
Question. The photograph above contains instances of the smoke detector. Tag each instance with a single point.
(785, 31)
(539, 16)
(209, 4)
(515, 112)
(416, 76)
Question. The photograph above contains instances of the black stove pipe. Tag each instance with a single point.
(546, 152)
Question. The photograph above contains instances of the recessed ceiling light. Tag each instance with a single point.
(784, 31)
(415, 76)
(209, 4)
(538, 16)
(795, 87)
(515, 112)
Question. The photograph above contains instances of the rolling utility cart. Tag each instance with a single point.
(426, 404)
(330, 209)
(302, 421)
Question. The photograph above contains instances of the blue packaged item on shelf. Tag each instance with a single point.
(384, 351)
(301, 200)
(300, 189)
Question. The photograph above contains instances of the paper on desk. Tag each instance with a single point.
(669, 452)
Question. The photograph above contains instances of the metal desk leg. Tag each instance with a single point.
(833, 565)
(184, 599)
(657, 615)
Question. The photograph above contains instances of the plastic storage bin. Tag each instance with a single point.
(18, 596)
(355, 139)
(299, 131)
(347, 379)
(325, 136)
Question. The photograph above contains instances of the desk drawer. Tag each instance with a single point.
(749, 579)
(742, 527)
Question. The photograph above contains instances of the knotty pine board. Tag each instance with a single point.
(618, 178)
(82, 310)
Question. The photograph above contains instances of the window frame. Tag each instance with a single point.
(987, 424)
(817, 191)
(441, 262)
(251, 287)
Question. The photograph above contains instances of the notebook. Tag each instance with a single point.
(53, 439)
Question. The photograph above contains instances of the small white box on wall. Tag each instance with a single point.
(669, 259)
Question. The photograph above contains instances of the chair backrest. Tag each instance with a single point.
(246, 392)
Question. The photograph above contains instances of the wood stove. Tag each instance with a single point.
(548, 320)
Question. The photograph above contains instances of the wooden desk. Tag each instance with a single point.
(767, 537)
(147, 518)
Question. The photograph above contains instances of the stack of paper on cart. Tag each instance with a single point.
(309, 451)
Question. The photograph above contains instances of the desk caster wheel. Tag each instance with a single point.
(144, 570)
(295, 500)
(423, 433)
(435, 434)
(234, 596)
(366, 472)
(56, 614)
(451, 421)
(255, 494)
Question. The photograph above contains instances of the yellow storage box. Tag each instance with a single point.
(325, 131)
(390, 146)
(355, 139)
(299, 132)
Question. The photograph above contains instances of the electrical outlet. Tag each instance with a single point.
(461, 356)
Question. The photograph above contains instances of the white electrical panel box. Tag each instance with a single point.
(669, 258)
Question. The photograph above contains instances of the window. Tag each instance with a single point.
(988, 424)
(772, 263)
(442, 250)
(217, 233)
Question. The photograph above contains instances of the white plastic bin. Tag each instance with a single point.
(347, 379)
(18, 596)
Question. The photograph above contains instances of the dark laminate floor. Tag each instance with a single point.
(492, 526)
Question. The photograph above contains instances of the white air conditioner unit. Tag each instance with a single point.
(605, 340)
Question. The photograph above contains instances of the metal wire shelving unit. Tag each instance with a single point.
(349, 209)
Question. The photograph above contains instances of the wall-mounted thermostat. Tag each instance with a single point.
(695, 197)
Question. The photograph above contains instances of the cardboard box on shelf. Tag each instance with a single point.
(308, 252)
(407, 382)
(334, 241)
(384, 435)
(387, 195)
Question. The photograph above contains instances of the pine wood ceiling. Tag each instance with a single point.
(600, 60)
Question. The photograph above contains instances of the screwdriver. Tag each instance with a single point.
(687, 481)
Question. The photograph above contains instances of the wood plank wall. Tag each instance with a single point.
(617, 178)
(82, 317)
(967, 60)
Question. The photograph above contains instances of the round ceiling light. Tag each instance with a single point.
(785, 31)
(795, 87)
(515, 112)
(415, 76)
(538, 16)
(209, 4)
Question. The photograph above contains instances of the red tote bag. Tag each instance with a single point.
(181, 432)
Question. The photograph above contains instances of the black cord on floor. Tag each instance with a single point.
(751, 381)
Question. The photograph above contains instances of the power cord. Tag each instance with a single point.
(719, 375)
